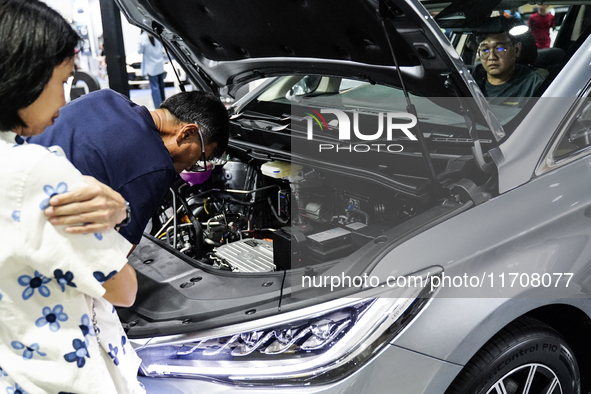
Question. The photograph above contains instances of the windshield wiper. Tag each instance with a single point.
(260, 117)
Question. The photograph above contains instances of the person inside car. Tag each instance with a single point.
(135, 151)
(56, 287)
(504, 79)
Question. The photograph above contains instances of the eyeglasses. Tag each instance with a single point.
(197, 167)
(499, 50)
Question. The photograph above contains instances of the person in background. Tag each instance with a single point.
(540, 23)
(513, 13)
(153, 66)
(56, 287)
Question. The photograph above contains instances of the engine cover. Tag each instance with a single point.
(247, 255)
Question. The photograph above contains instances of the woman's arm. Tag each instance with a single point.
(91, 209)
(122, 288)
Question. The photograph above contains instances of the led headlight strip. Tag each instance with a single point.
(317, 344)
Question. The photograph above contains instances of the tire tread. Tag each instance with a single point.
(512, 334)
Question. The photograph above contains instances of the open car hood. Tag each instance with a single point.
(224, 44)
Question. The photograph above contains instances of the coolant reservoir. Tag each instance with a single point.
(280, 169)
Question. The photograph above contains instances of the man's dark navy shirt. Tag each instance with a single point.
(523, 83)
(107, 136)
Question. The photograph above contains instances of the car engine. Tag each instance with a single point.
(267, 215)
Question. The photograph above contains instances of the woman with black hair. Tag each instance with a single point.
(153, 66)
(56, 287)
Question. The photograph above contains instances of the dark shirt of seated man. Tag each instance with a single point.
(522, 84)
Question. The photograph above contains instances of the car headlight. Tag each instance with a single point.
(317, 344)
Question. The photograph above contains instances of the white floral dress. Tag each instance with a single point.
(49, 281)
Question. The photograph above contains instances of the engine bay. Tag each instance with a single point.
(256, 215)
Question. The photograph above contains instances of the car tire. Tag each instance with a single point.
(527, 356)
(90, 84)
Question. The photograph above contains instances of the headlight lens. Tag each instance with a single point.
(320, 343)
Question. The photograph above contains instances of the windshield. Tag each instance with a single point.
(439, 117)
(514, 52)
(499, 49)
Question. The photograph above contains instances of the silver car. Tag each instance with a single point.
(446, 252)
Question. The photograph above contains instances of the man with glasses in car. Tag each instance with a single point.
(505, 79)
(138, 152)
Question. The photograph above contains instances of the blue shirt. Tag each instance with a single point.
(107, 136)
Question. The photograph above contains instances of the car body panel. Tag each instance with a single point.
(556, 201)
(518, 157)
(550, 233)
(464, 325)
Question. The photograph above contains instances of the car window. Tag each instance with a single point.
(578, 135)
(442, 116)
(466, 30)
(439, 116)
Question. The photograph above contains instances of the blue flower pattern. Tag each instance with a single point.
(54, 314)
(29, 351)
(32, 283)
(98, 275)
(87, 329)
(113, 350)
(16, 390)
(123, 342)
(52, 317)
(62, 187)
(79, 353)
(64, 279)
